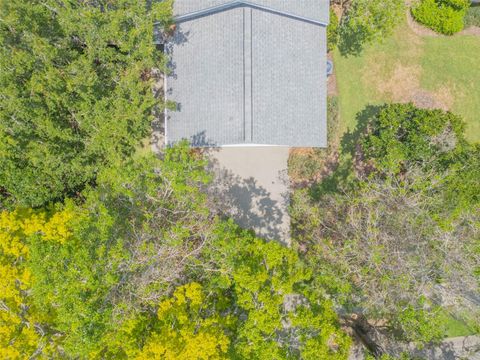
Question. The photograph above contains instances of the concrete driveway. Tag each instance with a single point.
(251, 185)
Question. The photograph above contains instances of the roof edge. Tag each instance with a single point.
(238, 3)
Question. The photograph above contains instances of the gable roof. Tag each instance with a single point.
(246, 75)
(316, 11)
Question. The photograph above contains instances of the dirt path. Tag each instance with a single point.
(472, 30)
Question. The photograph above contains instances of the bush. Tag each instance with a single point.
(443, 16)
(473, 16)
(332, 31)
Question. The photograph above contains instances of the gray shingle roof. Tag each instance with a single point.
(248, 76)
(315, 10)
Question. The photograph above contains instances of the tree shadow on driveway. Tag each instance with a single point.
(249, 202)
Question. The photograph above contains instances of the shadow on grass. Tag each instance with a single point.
(350, 162)
(351, 139)
(351, 43)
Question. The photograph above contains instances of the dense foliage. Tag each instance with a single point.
(75, 91)
(443, 16)
(141, 268)
(403, 139)
(365, 21)
(332, 31)
(110, 253)
(21, 336)
(401, 241)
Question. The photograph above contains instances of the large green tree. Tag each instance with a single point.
(75, 91)
(401, 138)
(146, 269)
(132, 238)
(400, 241)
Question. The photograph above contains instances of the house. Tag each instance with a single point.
(248, 73)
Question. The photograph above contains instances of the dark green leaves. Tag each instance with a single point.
(74, 92)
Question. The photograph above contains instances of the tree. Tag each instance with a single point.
(365, 21)
(278, 316)
(401, 138)
(75, 91)
(133, 236)
(386, 242)
(22, 334)
(254, 304)
(186, 330)
(401, 240)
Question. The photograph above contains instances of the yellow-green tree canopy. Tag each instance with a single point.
(140, 268)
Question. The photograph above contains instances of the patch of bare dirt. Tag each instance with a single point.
(338, 10)
(472, 30)
(301, 151)
(327, 158)
(423, 99)
(404, 86)
(444, 96)
(402, 83)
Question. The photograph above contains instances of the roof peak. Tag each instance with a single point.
(303, 10)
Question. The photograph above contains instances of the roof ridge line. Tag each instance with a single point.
(235, 3)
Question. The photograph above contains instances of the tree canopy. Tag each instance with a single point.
(141, 268)
(365, 21)
(75, 91)
(111, 252)
(399, 242)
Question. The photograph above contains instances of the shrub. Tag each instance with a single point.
(443, 16)
(473, 16)
(332, 31)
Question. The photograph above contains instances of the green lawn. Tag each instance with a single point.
(456, 327)
(438, 71)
